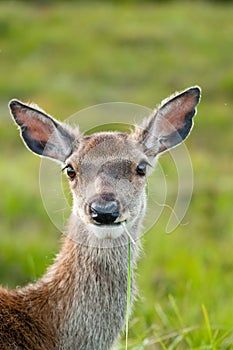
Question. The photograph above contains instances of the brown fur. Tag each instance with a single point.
(80, 302)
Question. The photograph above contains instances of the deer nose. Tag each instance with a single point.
(105, 213)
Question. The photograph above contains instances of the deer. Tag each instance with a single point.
(80, 301)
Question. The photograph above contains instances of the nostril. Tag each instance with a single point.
(115, 214)
(93, 213)
(104, 213)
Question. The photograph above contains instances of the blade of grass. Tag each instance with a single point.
(128, 296)
(162, 315)
(176, 310)
(208, 326)
(182, 333)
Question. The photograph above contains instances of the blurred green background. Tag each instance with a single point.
(66, 56)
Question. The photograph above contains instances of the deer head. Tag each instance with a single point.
(107, 171)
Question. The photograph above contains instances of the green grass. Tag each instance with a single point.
(67, 56)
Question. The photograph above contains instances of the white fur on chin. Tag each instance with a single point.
(106, 232)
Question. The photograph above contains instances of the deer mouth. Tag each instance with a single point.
(116, 224)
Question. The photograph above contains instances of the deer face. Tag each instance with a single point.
(107, 175)
(107, 171)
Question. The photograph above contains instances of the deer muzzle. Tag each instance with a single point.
(104, 212)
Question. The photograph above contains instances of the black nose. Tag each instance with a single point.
(104, 213)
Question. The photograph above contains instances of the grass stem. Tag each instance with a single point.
(128, 296)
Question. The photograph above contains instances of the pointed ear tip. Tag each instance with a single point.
(14, 103)
(196, 90)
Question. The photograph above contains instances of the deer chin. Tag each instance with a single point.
(107, 231)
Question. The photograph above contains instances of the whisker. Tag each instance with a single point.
(129, 235)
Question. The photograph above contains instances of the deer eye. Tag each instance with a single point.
(70, 171)
(141, 169)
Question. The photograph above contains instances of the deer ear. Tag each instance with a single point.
(41, 133)
(170, 124)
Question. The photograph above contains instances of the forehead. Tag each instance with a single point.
(108, 146)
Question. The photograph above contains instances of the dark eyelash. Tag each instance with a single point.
(149, 164)
(65, 167)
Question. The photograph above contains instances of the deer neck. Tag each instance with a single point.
(85, 289)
